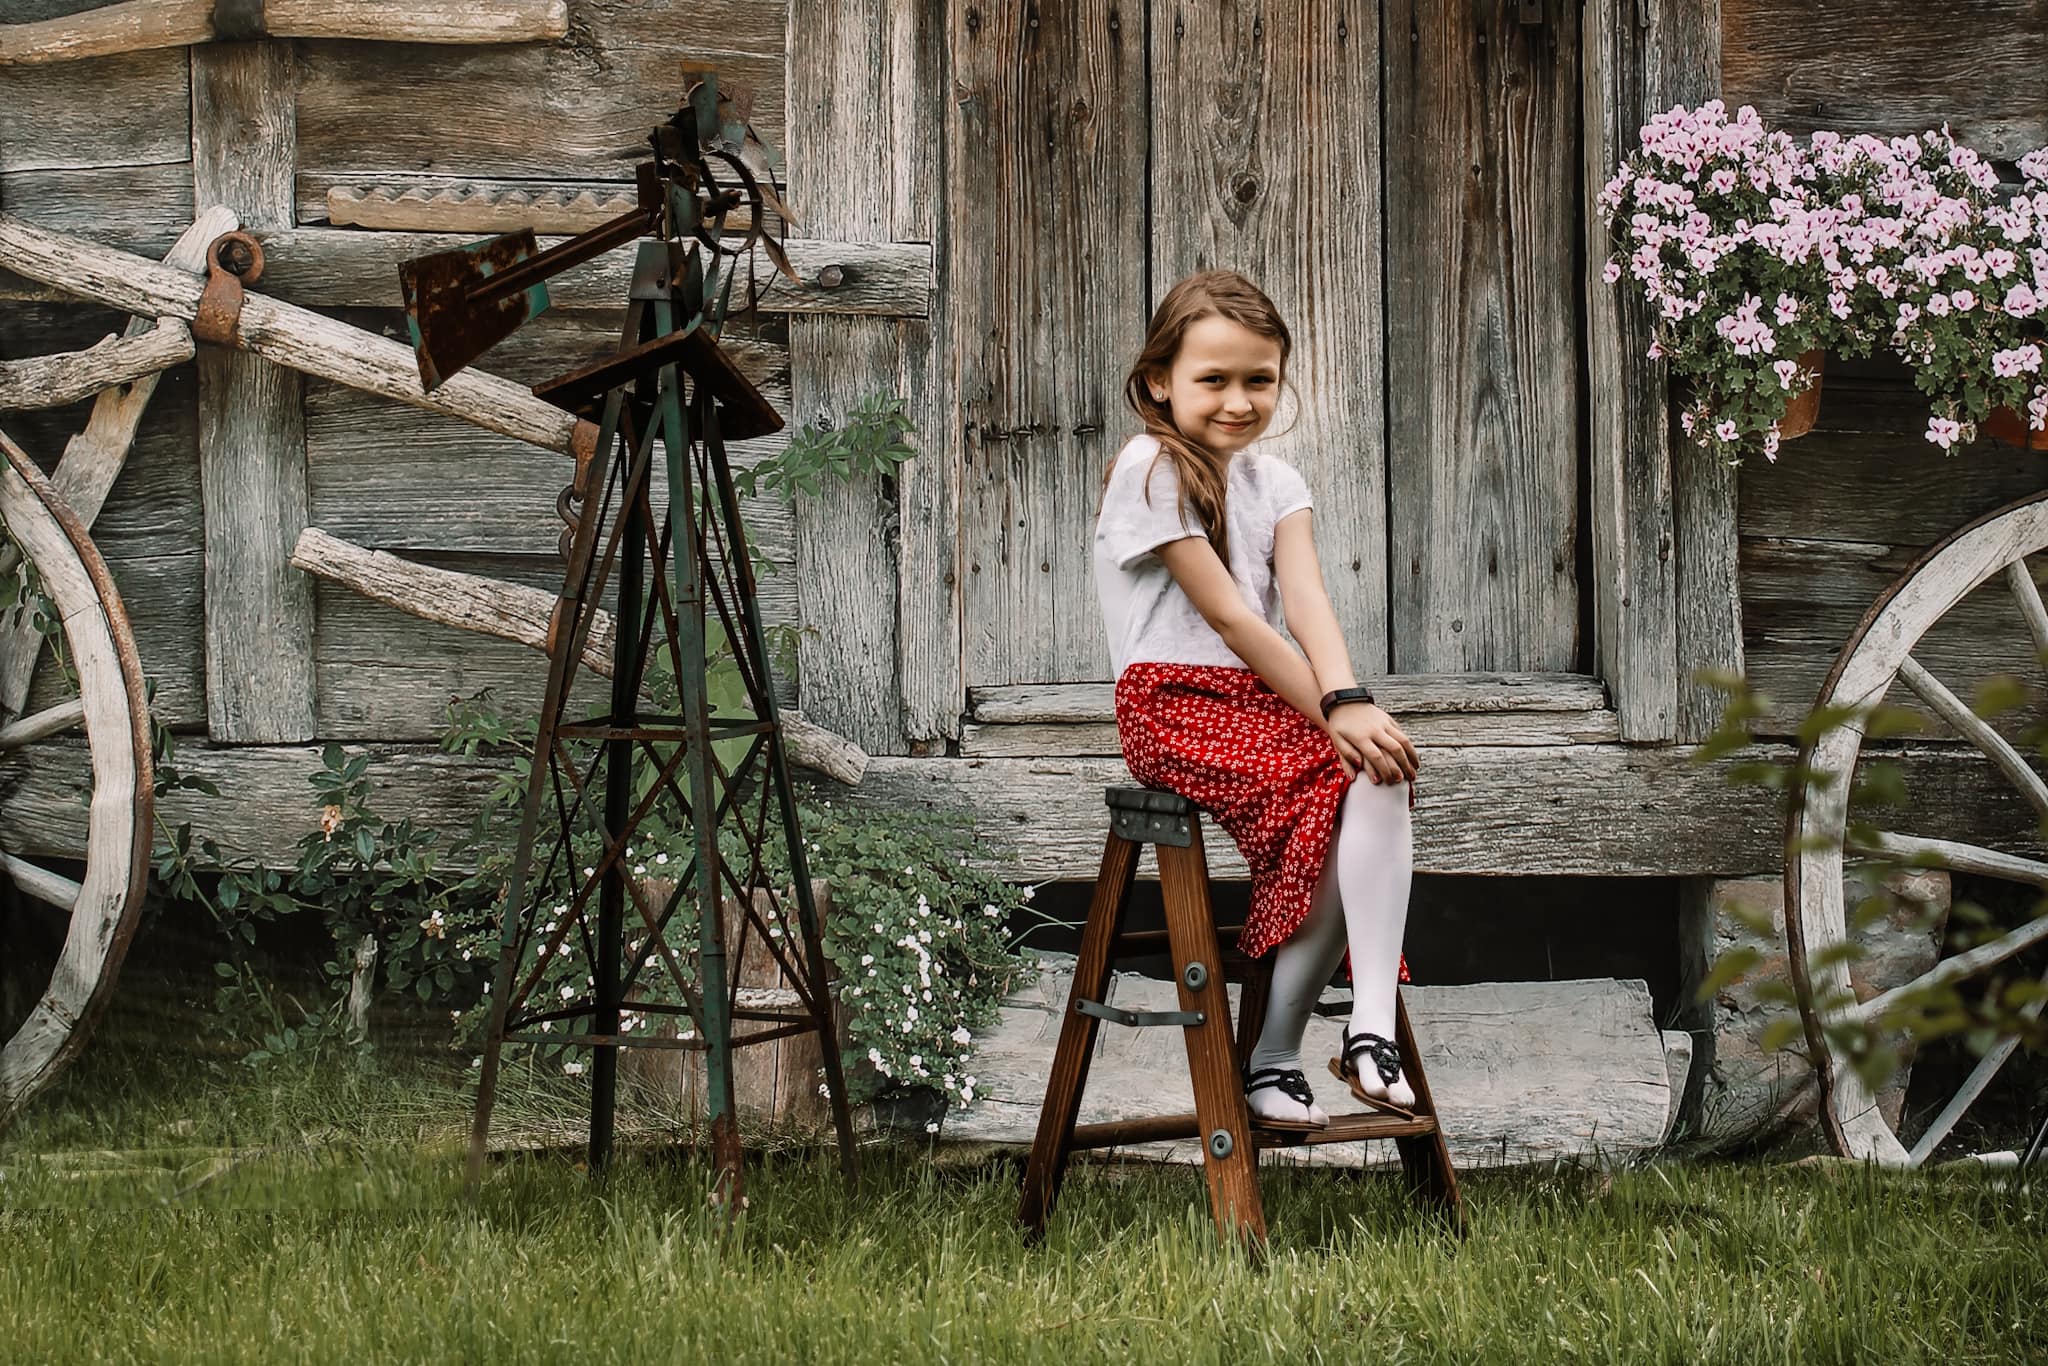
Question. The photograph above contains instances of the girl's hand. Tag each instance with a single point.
(1367, 738)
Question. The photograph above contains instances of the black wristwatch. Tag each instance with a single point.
(1340, 695)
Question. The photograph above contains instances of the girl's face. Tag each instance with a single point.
(1223, 385)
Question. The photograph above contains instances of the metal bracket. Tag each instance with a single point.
(1141, 1018)
(238, 21)
(232, 260)
(1149, 817)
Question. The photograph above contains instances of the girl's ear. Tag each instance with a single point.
(1156, 384)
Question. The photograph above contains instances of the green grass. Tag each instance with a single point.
(206, 1215)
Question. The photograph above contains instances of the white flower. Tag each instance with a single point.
(917, 1059)
(574, 1069)
(1029, 892)
(867, 959)
(931, 1126)
(961, 1036)
(568, 993)
(661, 858)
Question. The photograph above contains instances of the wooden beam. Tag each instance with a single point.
(1682, 65)
(252, 423)
(514, 612)
(1595, 810)
(879, 666)
(54, 381)
(347, 268)
(1635, 633)
(284, 333)
(138, 25)
(1477, 693)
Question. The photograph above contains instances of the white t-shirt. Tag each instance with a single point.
(1147, 615)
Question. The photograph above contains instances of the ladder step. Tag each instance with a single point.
(1349, 1128)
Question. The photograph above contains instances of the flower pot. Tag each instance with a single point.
(1804, 407)
(2010, 426)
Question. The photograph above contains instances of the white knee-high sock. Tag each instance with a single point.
(1375, 864)
(1301, 969)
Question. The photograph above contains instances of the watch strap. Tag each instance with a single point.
(1341, 695)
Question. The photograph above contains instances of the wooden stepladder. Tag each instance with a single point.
(1222, 1120)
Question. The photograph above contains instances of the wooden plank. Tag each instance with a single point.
(1427, 729)
(1478, 693)
(133, 110)
(501, 206)
(348, 268)
(379, 476)
(252, 438)
(1482, 380)
(1044, 152)
(928, 546)
(1802, 598)
(847, 59)
(140, 25)
(1873, 485)
(1234, 186)
(136, 208)
(1635, 632)
(559, 110)
(1682, 65)
(1599, 810)
(1892, 67)
(1527, 1071)
(386, 677)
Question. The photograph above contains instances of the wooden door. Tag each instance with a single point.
(1400, 178)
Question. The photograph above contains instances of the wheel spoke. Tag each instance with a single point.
(1963, 965)
(1978, 731)
(2027, 594)
(51, 888)
(45, 723)
(1973, 1086)
(1956, 857)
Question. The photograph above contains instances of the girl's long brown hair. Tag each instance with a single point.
(1205, 294)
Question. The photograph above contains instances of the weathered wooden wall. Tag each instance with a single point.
(1410, 183)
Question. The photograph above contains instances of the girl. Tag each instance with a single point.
(1194, 535)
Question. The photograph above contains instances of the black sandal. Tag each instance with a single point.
(1386, 1059)
(1290, 1081)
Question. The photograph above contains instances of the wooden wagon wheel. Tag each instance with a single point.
(1877, 652)
(104, 905)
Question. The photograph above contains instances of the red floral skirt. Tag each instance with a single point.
(1267, 774)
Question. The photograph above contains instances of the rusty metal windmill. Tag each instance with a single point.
(676, 575)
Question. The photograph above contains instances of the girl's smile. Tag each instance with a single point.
(1223, 385)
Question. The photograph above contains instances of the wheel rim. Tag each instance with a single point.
(107, 900)
(1877, 653)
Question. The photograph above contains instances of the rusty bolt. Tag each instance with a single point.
(831, 277)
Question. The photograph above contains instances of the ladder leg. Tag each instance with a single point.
(1228, 1156)
(1047, 1166)
(1426, 1160)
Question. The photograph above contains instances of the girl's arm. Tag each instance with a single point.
(1364, 735)
(1306, 603)
(1192, 562)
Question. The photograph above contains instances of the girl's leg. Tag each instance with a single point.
(1301, 969)
(1375, 860)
